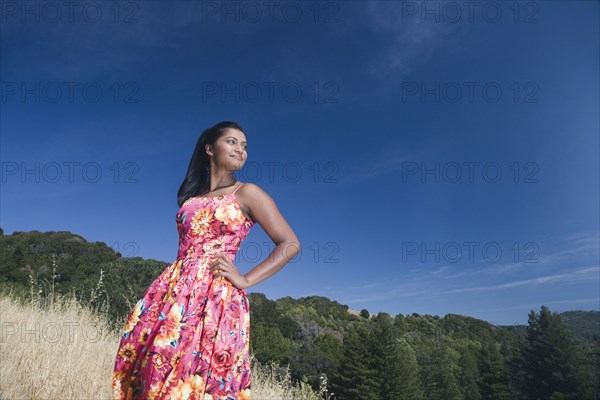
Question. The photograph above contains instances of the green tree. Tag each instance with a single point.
(269, 345)
(595, 366)
(394, 363)
(493, 377)
(469, 372)
(409, 375)
(354, 380)
(328, 345)
(549, 358)
(441, 373)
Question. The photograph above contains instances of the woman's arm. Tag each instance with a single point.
(263, 210)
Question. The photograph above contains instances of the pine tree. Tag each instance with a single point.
(549, 358)
(395, 373)
(380, 337)
(269, 345)
(354, 379)
(410, 375)
(469, 373)
(595, 360)
(450, 373)
(440, 373)
(432, 376)
(515, 365)
(493, 376)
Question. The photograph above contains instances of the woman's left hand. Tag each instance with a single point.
(223, 266)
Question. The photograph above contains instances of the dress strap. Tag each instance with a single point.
(236, 189)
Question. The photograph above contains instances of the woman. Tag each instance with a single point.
(188, 336)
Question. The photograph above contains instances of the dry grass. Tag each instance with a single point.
(267, 383)
(55, 347)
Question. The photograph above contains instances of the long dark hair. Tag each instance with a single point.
(197, 178)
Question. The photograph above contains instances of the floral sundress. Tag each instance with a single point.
(188, 335)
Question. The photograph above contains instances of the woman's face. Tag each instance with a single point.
(230, 149)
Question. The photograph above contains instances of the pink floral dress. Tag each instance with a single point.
(188, 336)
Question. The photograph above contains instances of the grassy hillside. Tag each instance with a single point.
(56, 348)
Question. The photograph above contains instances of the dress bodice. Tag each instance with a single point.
(208, 225)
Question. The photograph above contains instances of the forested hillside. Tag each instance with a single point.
(412, 356)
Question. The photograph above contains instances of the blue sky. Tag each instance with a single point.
(429, 160)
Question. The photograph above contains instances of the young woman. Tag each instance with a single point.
(188, 336)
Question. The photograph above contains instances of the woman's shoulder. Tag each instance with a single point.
(250, 189)
(252, 193)
(250, 198)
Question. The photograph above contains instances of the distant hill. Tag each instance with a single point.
(582, 324)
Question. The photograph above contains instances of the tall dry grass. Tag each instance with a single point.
(54, 346)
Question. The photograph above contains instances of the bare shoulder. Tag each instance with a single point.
(262, 210)
(251, 190)
(252, 198)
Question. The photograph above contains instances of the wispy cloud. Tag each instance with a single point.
(584, 273)
(409, 41)
(423, 284)
(587, 300)
(391, 163)
(387, 292)
(384, 295)
(576, 247)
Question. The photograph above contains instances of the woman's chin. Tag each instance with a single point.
(237, 164)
